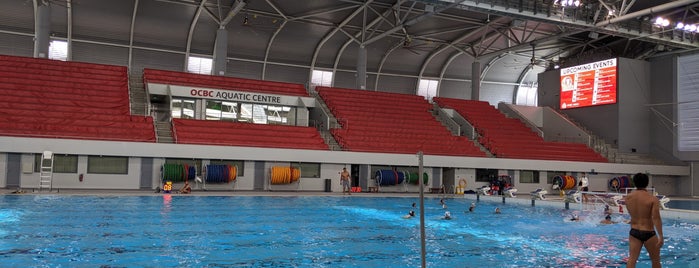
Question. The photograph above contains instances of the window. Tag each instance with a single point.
(58, 50)
(551, 174)
(321, 78)
(427, 88)
(107, 164)
(486, 175)
(238, 163)
(199, 65)
(308, 170)
(527, 95)
(183, 108)
(61, 163)
(529, 176)
(278, 114)
(221, 110)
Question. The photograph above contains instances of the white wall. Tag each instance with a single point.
(331, 163)
(90, 181)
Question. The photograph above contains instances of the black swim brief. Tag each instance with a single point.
(641, 235)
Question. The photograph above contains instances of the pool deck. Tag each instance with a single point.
(554, 201)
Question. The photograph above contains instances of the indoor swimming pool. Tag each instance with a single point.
(338, 231)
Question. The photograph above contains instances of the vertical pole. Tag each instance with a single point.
(42, 30)
(476, 80)
(422, 209)
(220, 52)
(361, 67)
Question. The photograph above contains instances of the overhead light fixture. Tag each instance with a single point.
(568, 3)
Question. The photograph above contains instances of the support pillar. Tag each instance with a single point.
(220, 52)
(361, 67)
(476, 80)
(42, 30)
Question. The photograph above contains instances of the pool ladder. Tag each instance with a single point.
(46, 171)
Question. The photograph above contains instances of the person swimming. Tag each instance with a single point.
(574, 217)
(409, 215)
(497, 210)
(472, 207)
(447, 215)
(607, 220)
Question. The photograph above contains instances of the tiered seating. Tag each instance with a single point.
(391, 123)
(189, 131)
(223, 82)
(56, 99)
(510, 138)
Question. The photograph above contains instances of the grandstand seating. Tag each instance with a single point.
(223, 82)
(510, 138)
(391, 123)
(57, 99)
(190, 131)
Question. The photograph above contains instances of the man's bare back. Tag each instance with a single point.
(638, 203)
(646, 224)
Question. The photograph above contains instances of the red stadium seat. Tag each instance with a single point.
(58, 99)
(391, 123)
(510, 138)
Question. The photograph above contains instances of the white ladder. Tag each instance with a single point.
(46, 171)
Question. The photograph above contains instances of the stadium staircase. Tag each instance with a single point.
(611, 152)
(390, 123)
(509, 138)
(325, 130)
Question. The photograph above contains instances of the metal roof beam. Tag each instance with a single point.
(411, 22)
(582, 25)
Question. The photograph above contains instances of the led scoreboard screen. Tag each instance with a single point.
(589, 84)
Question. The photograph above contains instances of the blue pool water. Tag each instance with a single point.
(684, 204)
(196, 231)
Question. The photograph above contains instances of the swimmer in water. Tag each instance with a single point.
(447, 215)
(472, 207)
(574, 217)
(409, 215)
(607, 220)
(497, 210)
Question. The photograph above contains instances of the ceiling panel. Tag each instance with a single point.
(102, 20)
(163, 24)
(17, 15)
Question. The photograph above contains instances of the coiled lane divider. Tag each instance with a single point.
(221, 173)
(284, 175)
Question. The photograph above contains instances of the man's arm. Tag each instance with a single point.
(657, 222)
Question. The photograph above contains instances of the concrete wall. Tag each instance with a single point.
(3, 170)
(633, 110)
(549, 87)
(663, 89)
(90, 181)
(670, 180)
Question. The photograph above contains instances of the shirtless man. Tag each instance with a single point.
(345, 181)
(646, 224)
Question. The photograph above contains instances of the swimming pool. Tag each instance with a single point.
(244, 231)
(684, 204)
